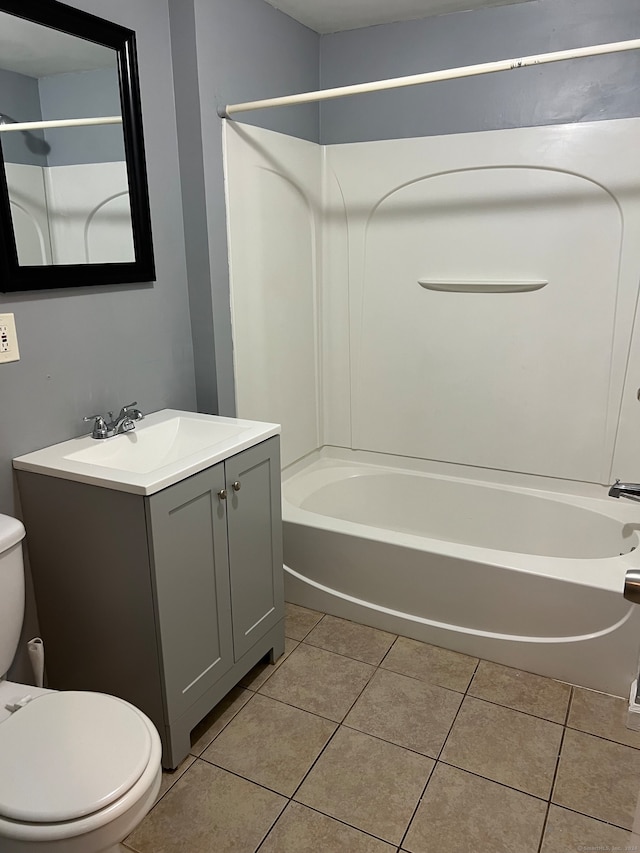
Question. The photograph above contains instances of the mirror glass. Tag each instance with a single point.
(74, 175)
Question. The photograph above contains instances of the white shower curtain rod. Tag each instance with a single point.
(67, 122)
(431, 77)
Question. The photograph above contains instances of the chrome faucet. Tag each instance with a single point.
(124, 422)
(625, 490)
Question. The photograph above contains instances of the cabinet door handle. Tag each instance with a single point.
(222, 494)
(236, 486)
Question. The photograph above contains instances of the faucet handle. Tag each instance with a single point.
(131, 412)
(100, 429)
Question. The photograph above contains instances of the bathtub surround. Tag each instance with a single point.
(336, 339)
(71, 214)
(244, 50)
(226, 49)
(274, 201)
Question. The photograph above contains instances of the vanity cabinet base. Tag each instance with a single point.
(166, 601)
(176, 740)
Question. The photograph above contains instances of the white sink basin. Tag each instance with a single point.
(143, 450)
(165, 447)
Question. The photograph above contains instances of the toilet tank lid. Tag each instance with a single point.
(11, 532)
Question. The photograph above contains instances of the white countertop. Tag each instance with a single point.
(166, 447)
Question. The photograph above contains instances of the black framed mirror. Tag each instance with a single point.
(74, 204)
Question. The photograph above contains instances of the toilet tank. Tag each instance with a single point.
(11, 589)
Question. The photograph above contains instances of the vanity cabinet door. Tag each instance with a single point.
(188, 542)
(255, 542)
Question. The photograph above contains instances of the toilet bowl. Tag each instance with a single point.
(78, 770)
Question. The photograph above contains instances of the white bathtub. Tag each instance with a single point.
(524, 571)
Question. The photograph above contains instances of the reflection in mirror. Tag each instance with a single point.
(68, 187)
(74, 203)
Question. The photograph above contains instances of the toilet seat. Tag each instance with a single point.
(74, 754)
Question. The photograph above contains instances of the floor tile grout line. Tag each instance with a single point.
(297, 708)
(602, 737)
(339, 654)
(569, 706)
(435, 764)
(475, 672)
(388, 652)
(417, 805)
(315, 761)
(515, 710)
(597, 819)
(553, 781)
(390, 742)
(421, 680)
(245, 778)
(268, 832)
(555, 775)
(453, 722)
(342, 654)
(495, 781)
(343, 823)
(368, 682)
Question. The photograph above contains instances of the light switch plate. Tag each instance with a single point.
(8, 339)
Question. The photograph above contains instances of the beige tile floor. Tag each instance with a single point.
(358, 741)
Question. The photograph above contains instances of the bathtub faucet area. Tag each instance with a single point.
(625, 490)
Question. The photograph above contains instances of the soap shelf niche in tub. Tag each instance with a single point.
(462, 286)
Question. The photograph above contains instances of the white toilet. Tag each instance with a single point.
(78, 770)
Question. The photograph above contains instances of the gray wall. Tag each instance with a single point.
(227, 51)
(20, 100)
(580, 90)
(90, 349)
(85, 94)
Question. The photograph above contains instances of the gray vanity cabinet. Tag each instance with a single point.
(186, 525)
(166, 600)
(215, 539)
(254, 524)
